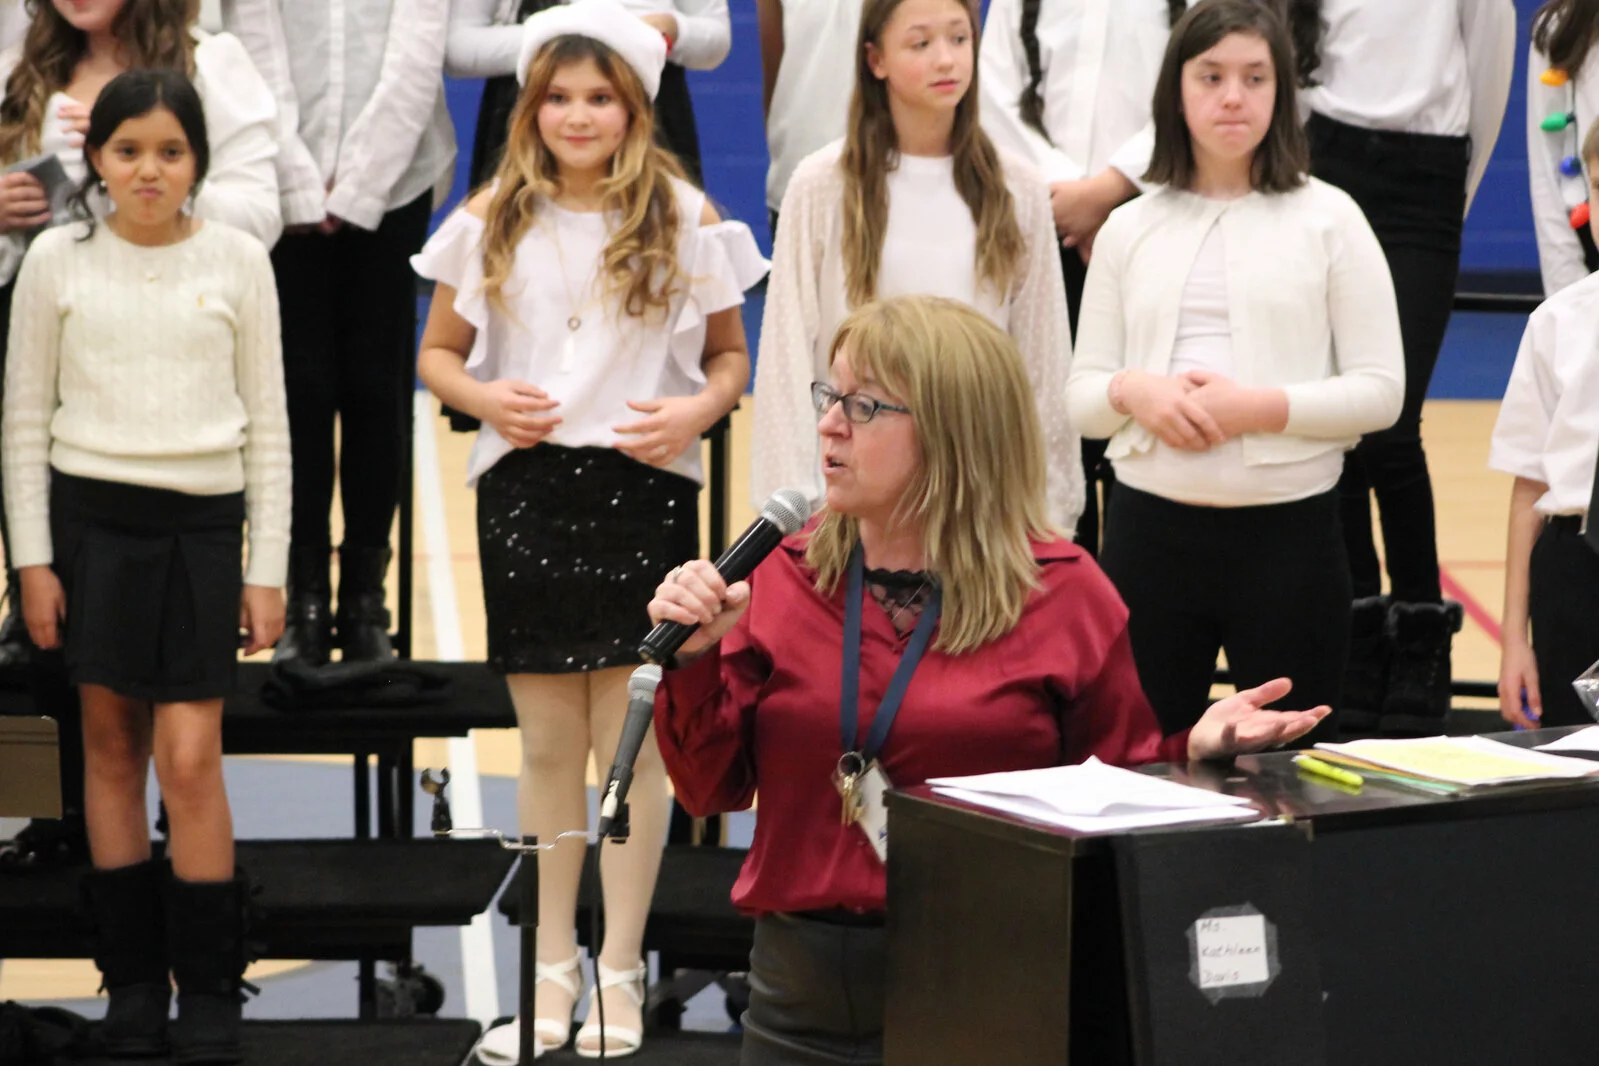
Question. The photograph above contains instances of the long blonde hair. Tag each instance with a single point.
(979, 493)
(152, 33)
(639, 261)
(871, 150)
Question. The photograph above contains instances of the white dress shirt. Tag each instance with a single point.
(485, 38)
(1310, 301)
(1099, 59)
(1548, 427)
(240, 187)
(363, 122)
(930, 247)
(1555, 193)
(810, 98)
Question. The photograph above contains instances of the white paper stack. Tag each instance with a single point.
(1094, 798)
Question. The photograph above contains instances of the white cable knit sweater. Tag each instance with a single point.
(159, 367)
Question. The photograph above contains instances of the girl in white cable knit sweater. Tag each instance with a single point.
(144, 423)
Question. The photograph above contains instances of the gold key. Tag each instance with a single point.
(847, 778)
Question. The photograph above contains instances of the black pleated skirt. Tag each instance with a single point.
(153, 579)
(573, 542)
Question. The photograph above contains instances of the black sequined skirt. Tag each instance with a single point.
(573, 542)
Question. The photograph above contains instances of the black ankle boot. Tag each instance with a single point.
(1418, 698)
(363, 620)
(206, 939)
(1366, 676)
(308, 620)
(124, 906)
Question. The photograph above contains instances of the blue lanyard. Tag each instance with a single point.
(850, 688)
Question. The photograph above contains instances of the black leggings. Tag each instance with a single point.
(1563, 585)
(349, 351)
(1269, 584)
(1412, 188)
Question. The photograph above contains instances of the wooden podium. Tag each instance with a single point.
(1383, 927)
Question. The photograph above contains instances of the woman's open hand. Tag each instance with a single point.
(1239, 724)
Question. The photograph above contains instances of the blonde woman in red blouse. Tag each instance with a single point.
(935, 524)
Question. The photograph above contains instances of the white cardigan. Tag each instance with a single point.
(1310, 300)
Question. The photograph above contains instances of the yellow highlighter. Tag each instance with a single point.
(1312, 765)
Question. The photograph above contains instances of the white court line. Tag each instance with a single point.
(477, 940)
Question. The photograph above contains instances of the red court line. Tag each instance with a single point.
(1474, 610)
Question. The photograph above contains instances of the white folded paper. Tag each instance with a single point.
(1092, 797)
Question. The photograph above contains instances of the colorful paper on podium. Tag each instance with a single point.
(1471, 762)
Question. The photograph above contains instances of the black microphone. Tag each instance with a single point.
(640, 710)
(785, 512)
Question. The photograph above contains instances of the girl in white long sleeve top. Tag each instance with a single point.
(1238, 334)
(915, 200)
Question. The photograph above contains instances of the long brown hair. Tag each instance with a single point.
(1565, 31)
(1282, 159)
(871, 150)
(152, 33)
(639, 261)
(979, 493)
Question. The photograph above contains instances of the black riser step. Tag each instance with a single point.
(328, 899)
(692, 914)
(431, 1042)
(666, 1048)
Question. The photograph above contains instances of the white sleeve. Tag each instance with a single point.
(704, 34)
(1560, 255)
(31, 397)
(381, 143)
(1488, 28)
(258, 368)
(258, 24)
(1367, 389)
(241, 185)
(1133, 157)
(1521, 431)
(1042, 330)
(1101, 334)
(1003, 77)
(785, 452)
(478, 47)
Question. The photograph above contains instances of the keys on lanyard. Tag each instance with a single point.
(847, 779)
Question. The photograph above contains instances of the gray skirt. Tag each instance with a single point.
(816, 991)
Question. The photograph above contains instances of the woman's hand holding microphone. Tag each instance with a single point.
(694, 594)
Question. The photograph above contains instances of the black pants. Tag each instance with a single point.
(1098, 477)
(816, 992)
(1412, 188)
(1268, 584)
(349, 338)
(1563, 588)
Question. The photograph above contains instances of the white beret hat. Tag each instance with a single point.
(638, 44)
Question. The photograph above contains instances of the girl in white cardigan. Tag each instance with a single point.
(916, 199)
(1239, 334)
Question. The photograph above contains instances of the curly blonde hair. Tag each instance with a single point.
(152, 33)
(639, 261)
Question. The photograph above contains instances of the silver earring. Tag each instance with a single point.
(101, 186)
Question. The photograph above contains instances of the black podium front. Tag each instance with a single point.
(1380, 927)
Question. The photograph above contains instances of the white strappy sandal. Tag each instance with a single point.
(502, 1045)
(626, 1040)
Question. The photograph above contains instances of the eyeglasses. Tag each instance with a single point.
(857, 408)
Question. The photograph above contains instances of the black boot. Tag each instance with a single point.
(1418, 698)
(308, 620)
(1366, 676)
(363, 620)
(124, 906)
(206, 938)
